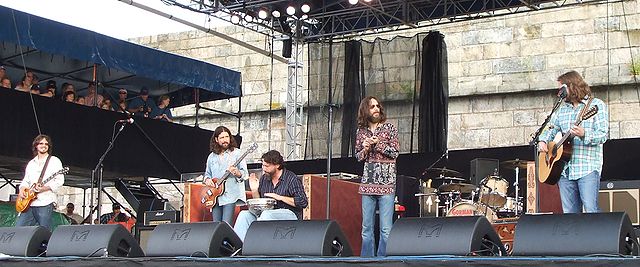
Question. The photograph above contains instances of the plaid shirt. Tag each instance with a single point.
(379, 174)
(289, 185)
(587, 150)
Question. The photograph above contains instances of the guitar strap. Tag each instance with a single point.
(44, 168)
(585, 108)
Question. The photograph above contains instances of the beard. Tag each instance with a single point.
(375, 119)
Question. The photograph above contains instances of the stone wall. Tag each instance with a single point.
(502, 74)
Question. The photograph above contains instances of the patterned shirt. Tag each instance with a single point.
(587, 150)
(288, 185)
(379, 175)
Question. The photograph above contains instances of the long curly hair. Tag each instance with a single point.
(577, 88)
(363, 112)
(215, 147)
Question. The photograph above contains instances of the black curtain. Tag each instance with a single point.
(434, 93)
(352, 94)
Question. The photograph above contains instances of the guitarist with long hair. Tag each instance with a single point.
(579, 180)
(224, 153)
(43, 165)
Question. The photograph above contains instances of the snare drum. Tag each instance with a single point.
(510, 205)
(493, 191)
(258, 205)
(472, 209)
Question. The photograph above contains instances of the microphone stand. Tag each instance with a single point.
(98, 170)
(444, 154)
(534, 144)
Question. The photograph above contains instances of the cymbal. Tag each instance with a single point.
(436, 172)
(459, 187)
(449, 178)
(512, 164)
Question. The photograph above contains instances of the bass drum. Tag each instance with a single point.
(472, 209)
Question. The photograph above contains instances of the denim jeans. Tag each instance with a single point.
(385, 205)
(223, 213)
(36, 216)
(576, 194)
(245, 218)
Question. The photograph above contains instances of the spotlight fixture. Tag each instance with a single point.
(262, 14)
(353, 2)
(275, 13)
(291, 10)
(248, 18)
(368, 1)
(305, 8)
(304, 16)
(235, 19)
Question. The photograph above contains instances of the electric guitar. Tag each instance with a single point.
(552, 162)
(22, 204)
(210, 194)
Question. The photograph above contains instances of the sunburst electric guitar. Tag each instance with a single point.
(22, 204)
(552, 162)
(210, 194)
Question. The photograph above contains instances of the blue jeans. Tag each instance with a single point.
(245, 218)
(576, 194)
(223, 213)
(36, 216)
(386, 206)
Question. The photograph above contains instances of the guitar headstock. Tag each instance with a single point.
(252, 147)
(590, 113)
(64, 170)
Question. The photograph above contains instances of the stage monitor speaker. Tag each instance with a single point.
(466, 235)
(24, 241)
(301, 238)
(481, 168)
(574, 235)
(287, 48)
(93, 241)
(203, 239)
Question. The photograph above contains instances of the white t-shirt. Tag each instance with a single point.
(32, 174)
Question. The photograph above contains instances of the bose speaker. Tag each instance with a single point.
(480, 168)
(25, 241)
(204, 239)
(93, 241)
(468, 235)
(574, 235)
(301, 238)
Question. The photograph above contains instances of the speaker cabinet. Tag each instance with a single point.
(574, 235)
(25, 241)
(301, 238)
(204, 239)
(444, 236)
(93, 241)
(481, 168)
(614, 197)
(143, 233)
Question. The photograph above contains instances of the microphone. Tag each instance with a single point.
(562, 92)
(129, 121)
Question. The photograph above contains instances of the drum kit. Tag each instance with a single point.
(455, 197)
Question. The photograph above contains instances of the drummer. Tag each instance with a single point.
(278, 183)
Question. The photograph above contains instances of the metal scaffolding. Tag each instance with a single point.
(294, 102)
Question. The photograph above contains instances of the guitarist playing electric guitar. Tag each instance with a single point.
(579, 180)
(43, 165)
(224, 153)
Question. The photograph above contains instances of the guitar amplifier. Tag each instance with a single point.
(621, 196)
(155, 217)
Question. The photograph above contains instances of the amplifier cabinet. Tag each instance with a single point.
(156, 217)
(621, 200)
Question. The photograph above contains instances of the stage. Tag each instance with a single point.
(600, 260)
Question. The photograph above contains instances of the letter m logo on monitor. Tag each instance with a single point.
(180, 234)
(7, 237)
(79, 236)
(430, 230)
(284, 232)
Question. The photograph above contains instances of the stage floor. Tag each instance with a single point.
(324, 261)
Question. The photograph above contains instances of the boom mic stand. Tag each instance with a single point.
(98, 169)
(534, 142)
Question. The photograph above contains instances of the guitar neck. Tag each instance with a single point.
(226, 174)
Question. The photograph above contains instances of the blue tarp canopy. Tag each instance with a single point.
(60, 52)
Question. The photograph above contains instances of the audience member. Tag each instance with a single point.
(68, 87)
(51, 89)
(3, 72)
(5, 82)
(106, 104)
(92, 99)
(162, 111)
(80, 100)
(142, 104)
(122, 98)
(26, 83)
(69, 96)
(73, 217)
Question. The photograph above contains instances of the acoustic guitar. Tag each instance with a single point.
(559, 154)
(22, 204)
(210, 194)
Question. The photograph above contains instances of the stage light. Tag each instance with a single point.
(262, 14)
(248, 18)
(304, 16)
(368, 1)
(275, 13)
(305, 8)
(353, 2)
(235, 19)
(291, 10)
